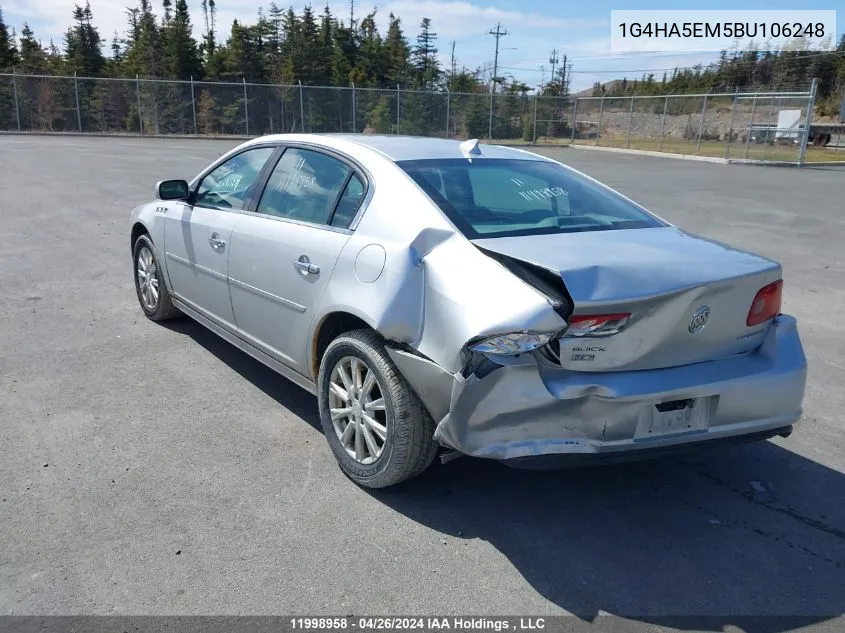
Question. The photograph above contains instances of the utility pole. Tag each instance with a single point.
(497, 33)
(563, 90)
(553, 61)
(452, 65)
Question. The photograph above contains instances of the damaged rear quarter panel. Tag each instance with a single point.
(468, 295)
(437, 290)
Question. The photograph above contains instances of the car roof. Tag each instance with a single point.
(401, 148)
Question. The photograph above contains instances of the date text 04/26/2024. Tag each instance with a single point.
(383, 624)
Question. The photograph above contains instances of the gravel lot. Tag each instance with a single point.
(157, 470)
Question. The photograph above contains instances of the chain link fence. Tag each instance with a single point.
(767, 126)
(764, 126)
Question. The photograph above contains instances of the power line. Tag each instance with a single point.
(553, 61)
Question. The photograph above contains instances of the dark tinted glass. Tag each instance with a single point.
(503, 197)
(349, 202)
(304, 185)
(228, 186)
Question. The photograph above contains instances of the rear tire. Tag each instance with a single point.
(149, 285)
(381, 434)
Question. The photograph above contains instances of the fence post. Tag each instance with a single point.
(536, 99)
(138, 95)
(301, 107)
(663, 123)
(601, 115)
(354, 111)
(750, 125)
(574, 115)
(246, 108)
(731, 126)
(768, 132)
(701, 124)
(630, 123)
(194, 107)
(808, 121)
(76, 94)
(15, 92)
(448, 100)
(398, 104)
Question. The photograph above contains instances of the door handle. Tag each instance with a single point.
(216, 242)
(305, 267)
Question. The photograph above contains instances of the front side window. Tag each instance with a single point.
(228, 185)
(505, 197)
(304, 185)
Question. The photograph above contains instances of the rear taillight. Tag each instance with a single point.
(766, 304)
(596, 324)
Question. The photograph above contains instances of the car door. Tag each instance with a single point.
(197, 234)
(282, 255)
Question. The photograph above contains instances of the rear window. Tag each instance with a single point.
(502, 198)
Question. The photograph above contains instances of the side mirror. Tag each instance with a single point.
(173, 190)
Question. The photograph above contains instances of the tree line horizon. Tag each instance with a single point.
(284, 47)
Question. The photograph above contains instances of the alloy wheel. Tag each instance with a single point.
(357, 408)
(148, 282)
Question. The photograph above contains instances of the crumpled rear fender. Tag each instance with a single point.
(435, 294)
(468, 295)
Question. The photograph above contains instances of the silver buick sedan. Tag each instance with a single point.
(471, 299)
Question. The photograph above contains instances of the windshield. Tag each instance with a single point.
(502, 197)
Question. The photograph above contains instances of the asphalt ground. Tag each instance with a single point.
(149, 469)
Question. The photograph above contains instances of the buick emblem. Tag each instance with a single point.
(699, 319)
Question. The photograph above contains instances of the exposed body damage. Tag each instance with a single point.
(405, 269)
(536, 405)
(538, 408)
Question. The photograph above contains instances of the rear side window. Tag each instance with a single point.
(305, 185)
(503, 197)
(349, 202)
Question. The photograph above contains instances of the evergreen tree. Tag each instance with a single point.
(285, 47)
(397, 52)
(32, 57)
(181, 53)
(425, 63)
(83, 44)
(209, 11)
(8, 61)
(370, 69)
(243, 55)
(8, 50)
(143, 54)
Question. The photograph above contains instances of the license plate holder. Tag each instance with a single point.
(675, 417)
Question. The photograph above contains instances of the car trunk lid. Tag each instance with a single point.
(664, 278)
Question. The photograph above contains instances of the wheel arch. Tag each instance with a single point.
(329, 327)
(138, 229)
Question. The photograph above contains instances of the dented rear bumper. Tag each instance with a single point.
(537, 409)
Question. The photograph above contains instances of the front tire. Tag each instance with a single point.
(376, 426)
(149, 286)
